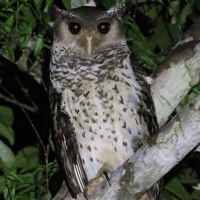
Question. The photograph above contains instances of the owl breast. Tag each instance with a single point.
(104, 114)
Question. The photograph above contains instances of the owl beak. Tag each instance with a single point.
(89, 45)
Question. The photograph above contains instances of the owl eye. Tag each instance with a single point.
(104, 27)
(74, 28)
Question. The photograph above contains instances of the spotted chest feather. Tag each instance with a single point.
(104, 110)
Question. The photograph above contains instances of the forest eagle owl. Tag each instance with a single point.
(101, 104)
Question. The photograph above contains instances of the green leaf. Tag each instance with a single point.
(15, 177)
(160, 1)
(13, 192)
(49, 2)
(152, 12)
(147, 59)
(3, 4)
(39, 170)
(24, 39)
(52, 145)
(29, 168)
(10, 52)
(77, 3)
(25, 193)
(37, 3)
(174, 8)
(2, 183)
(108, 4)
(67, 4)
(6, 155)
(6, 115)
(6, 120)
(38, 45)
(9, 4)
(9, 23)
(26, 157)
(168, 196)
(176, 188)
(160, 59)
(3, 15)
(26, 178)
(196, 195)
(7, 132)
(189, 176)
(187, 10)
(165, 35)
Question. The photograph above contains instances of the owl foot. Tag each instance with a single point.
(102, 174)
(105, 173)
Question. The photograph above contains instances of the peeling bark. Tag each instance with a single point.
(177, 75)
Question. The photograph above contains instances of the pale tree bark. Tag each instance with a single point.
(178, 74)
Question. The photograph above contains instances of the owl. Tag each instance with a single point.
(101, 105)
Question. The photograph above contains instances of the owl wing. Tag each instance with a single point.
(148, 109)
(155, 192)
(66, 145)
(149, 114)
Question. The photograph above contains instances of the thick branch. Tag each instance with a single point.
(177, 75)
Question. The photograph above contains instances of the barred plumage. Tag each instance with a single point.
(101, 104)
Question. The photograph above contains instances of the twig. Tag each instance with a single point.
(29, 119)
(26, 93)
(17, 103)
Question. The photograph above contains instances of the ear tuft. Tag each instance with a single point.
(119, 10)
(56, 13)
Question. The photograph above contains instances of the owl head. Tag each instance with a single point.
(88, 30)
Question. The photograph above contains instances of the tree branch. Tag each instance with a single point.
(176, 76)
(17, 103)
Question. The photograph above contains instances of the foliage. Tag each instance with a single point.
(21, 174)
(25, 41)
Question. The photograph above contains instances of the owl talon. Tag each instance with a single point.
(105, 173)
(102, 174)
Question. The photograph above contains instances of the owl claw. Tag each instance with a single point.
(101, 176)
(107, 177)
